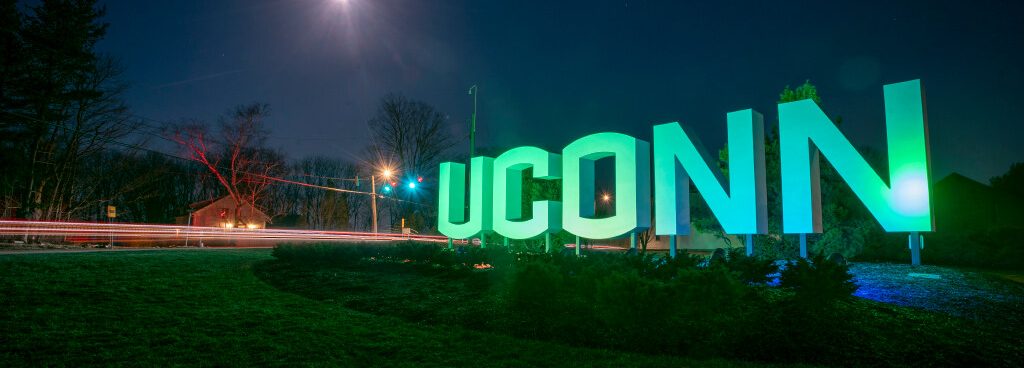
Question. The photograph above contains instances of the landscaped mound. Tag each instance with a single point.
(722, 307)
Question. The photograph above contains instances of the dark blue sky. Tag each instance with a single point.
(552, 71)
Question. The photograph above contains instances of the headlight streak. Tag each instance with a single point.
(87, 232)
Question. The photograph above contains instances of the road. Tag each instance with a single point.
(148, 234)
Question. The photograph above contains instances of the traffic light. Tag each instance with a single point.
(387, 188)
(412, 185)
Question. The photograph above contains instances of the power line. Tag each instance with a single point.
(263, 176)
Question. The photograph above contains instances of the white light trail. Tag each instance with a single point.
(95, 232)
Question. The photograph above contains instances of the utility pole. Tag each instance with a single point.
(188, 227)
(474, 90)
(373, 200)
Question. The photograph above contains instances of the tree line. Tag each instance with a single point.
(71, 146)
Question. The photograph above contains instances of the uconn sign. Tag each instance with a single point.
(900, 203)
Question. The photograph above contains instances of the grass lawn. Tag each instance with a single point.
(210, 307)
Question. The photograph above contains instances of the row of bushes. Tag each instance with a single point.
(799, 275)
(685, 305)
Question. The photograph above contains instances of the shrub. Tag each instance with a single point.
(534, 286)
(818, 280)
(606, 300)
(750, 269)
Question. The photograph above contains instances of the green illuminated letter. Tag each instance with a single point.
(902, 205)
(451, 198)
(743, 210)
(508, 193)
(632, 185)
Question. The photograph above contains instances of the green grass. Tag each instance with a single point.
(196, 307)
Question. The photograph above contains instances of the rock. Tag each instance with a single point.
(837, 258)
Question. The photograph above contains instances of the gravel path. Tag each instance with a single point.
(970, 294)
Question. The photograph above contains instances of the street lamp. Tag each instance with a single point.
(604, 207)
(473, 90)
(386, 174)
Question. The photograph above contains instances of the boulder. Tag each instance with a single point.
(837, 258)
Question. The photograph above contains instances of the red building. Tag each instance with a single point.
(220, 212)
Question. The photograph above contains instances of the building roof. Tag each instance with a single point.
(201, 205)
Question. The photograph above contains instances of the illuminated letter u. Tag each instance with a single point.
(451, 198)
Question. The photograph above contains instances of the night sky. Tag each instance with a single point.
(553, 71)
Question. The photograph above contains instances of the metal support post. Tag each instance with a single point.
(750, 245)
(803, 245)
(915, 248)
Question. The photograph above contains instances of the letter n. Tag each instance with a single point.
(741, 210)
(902, 204)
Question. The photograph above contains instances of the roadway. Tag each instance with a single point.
(149, 234)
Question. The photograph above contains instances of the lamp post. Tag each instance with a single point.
(373, 200)
(386, 174)
(473, 90)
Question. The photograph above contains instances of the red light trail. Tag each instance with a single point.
(95, 232)
(102, 233)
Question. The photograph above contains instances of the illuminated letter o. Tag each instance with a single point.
(632, 185)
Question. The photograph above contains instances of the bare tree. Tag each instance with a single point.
(317, 207)
(240, 162)
(413, 136)
(410, 132)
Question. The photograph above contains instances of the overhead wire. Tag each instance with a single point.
(262, 176)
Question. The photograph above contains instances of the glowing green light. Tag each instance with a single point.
(743, 210)
(508, 189)
(903, 205)
(632, 185)
(451, 198)
(738, 203)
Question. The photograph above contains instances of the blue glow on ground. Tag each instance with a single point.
(957, 292)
